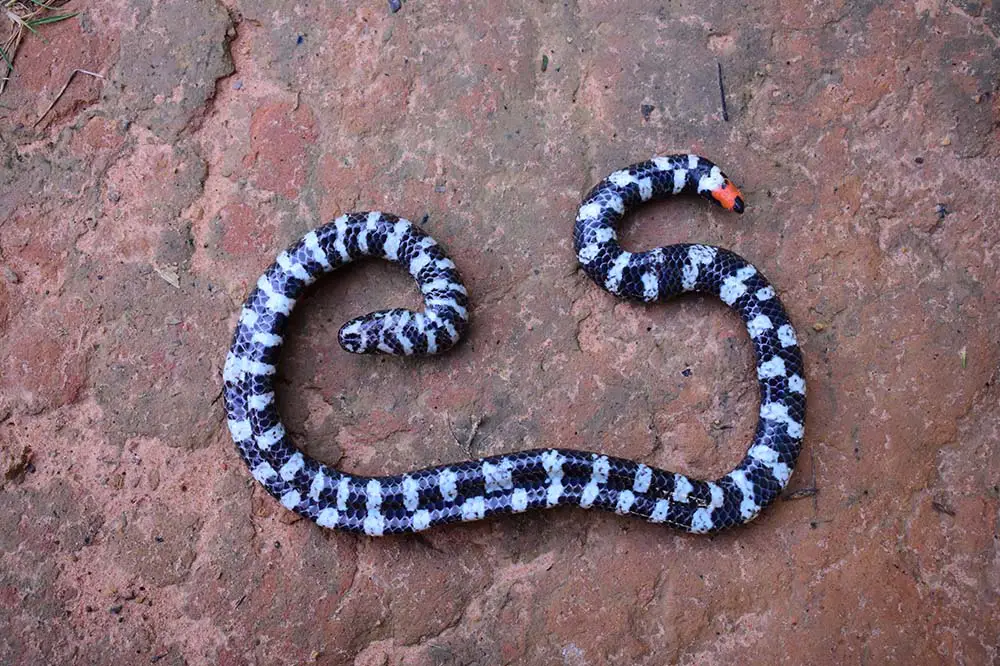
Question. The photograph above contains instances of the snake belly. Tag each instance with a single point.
(540, 478)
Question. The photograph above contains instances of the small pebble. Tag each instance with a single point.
(819, 326)
(946, 141)
(9, 275)
(238, 85)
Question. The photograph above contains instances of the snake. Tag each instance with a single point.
(525, 480)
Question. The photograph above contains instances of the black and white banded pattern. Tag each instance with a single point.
(540, 478)
(736, 497)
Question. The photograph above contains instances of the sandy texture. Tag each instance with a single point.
(137, 214)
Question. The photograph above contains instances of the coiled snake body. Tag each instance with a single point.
(540, 478)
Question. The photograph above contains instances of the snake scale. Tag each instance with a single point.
(517, 482)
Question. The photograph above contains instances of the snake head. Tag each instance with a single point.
(729, 197)
(715, 186)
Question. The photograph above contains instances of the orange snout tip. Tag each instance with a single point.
(730, 197)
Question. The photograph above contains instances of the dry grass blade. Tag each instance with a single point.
(801, 493)
(44, 5)
(9, 48)
(24, 14)
(63, 89)
(18, 21)
(6, 59)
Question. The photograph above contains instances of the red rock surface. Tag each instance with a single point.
(134, 217)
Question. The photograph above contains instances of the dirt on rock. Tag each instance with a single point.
(136, 214)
